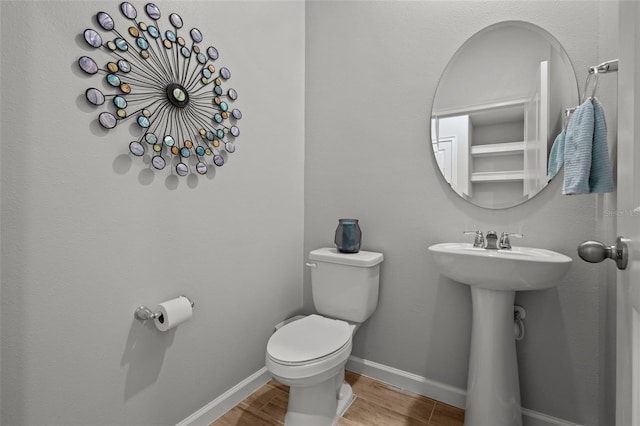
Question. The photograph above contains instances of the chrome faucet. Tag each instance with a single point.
(491, 242)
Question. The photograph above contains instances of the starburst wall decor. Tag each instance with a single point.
(168, 85)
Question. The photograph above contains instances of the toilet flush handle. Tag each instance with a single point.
(312, 265)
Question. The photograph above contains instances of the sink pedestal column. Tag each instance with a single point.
(493, 389)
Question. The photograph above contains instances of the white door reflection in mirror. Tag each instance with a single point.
(453, 137)
(536, 133)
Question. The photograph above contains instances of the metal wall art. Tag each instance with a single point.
(168, 85)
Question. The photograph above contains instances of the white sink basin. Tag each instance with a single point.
(521, 268)
(494, 276)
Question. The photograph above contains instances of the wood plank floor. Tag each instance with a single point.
(376, 404)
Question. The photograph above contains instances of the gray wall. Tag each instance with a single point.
(87, 235)
(372, 70)
(90, 232)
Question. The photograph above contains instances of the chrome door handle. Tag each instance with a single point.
(596, 252)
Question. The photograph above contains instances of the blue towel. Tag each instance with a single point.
(578, 146)
(586, 154)
(601, 176)
(556, 157)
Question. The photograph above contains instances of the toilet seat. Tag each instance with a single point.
(308, 340)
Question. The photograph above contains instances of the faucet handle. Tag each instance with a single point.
(504, 242)
(479, 240)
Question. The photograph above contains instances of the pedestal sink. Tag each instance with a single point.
(493, 390)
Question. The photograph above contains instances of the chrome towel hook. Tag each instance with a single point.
(608, 66)
(595, 71)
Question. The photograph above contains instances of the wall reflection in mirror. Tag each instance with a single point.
(498, 107)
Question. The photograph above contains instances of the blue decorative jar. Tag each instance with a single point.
(348, 236)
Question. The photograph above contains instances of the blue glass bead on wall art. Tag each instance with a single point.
(348, 236)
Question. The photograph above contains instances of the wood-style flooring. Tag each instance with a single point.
(376, 404)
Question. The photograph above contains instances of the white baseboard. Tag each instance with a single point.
(408, 381)
(225, 402)
(435, 390)
(534, 418)
(401, 379)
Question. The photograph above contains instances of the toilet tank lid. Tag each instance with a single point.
(332, 255)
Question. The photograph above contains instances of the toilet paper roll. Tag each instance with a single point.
(173, 312)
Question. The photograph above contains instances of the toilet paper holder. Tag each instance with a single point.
(143, 313)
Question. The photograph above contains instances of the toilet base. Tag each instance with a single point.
(321, 404)
(345, 399)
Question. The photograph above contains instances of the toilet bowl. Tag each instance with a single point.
(309, 354)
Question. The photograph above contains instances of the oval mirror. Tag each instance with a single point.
(498, 108)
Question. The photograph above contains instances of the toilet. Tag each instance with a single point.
(309, 353)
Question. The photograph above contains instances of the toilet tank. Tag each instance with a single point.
(345, 285)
